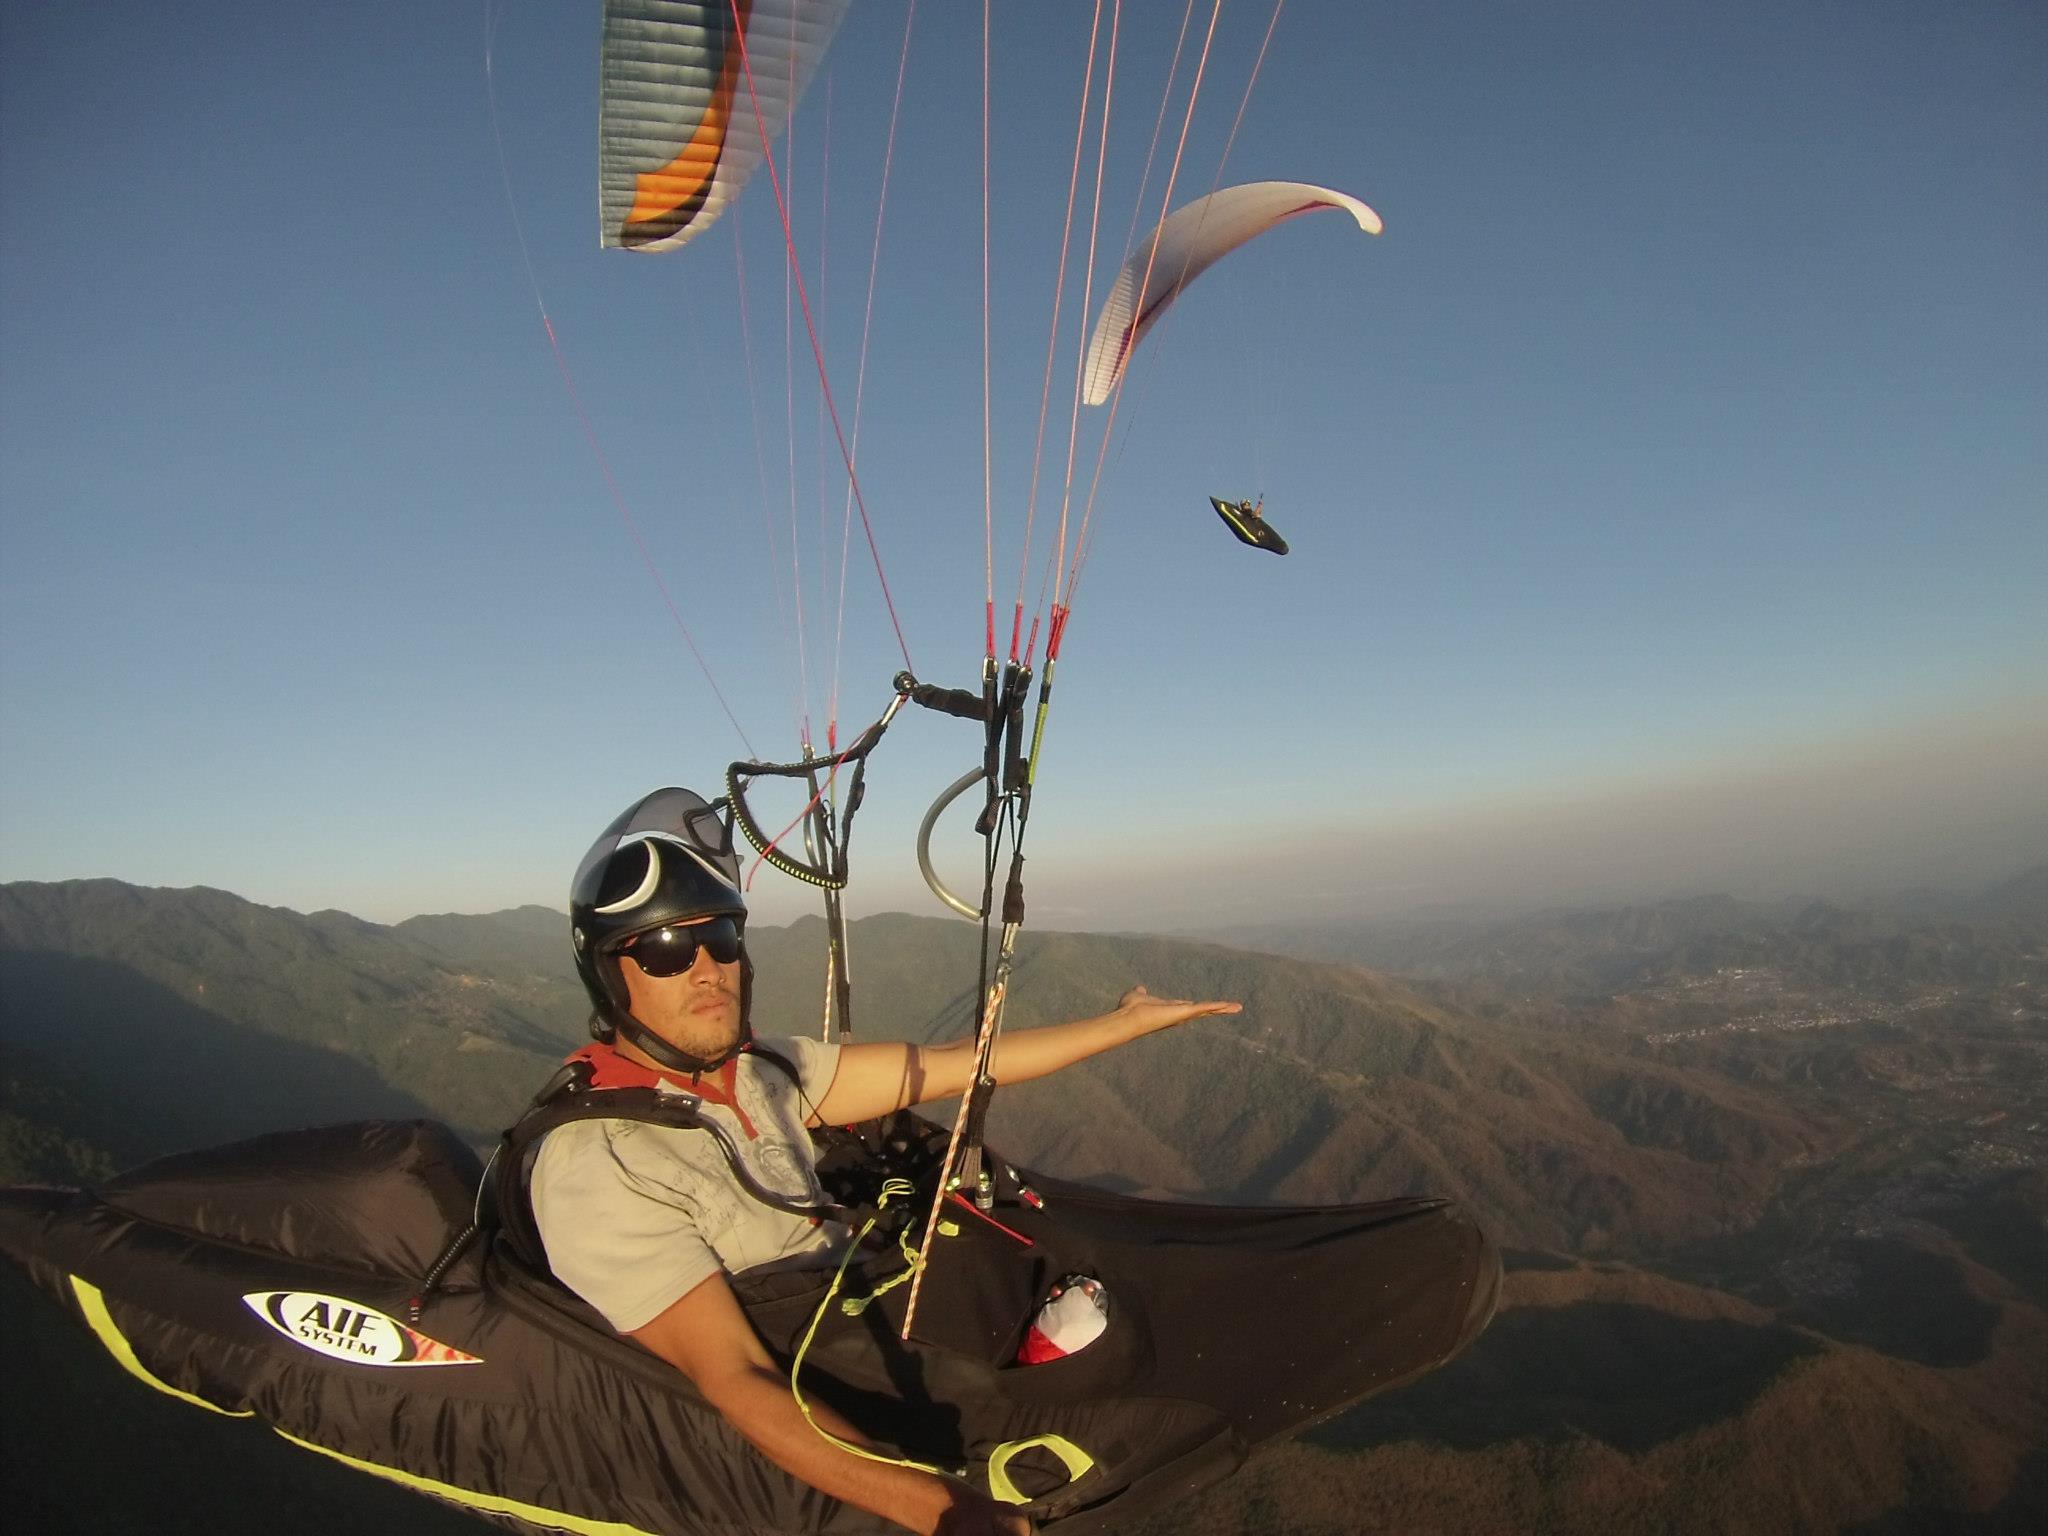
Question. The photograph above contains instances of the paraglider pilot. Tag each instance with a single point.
(646, 1223)
(1249, 524)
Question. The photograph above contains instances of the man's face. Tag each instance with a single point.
(697, 1010)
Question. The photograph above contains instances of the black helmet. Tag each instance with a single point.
(667, 858)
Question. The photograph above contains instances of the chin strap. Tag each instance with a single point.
(645, 1039)
(626, 1027)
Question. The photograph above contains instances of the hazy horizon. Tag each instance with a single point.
(1951, 805)
(1952, 802)
(1665, 483)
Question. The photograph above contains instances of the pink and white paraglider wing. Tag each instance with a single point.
(1190, 241)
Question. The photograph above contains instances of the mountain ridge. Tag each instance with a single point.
(1997, 933)
(1749, 1211)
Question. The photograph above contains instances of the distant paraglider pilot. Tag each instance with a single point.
(1247, 521)
(646, 1222)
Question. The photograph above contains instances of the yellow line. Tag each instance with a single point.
(101, 1321)
(490, 1503)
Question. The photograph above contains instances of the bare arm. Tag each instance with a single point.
(875, 1078)
(707, 1337)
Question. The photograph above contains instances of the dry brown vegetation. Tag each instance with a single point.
(1779, 1251)
(1610, 1402)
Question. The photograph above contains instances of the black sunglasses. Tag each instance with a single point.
(673, 950)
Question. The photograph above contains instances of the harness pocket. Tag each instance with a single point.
(982, 1284)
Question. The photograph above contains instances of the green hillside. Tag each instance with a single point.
(1775, 1207)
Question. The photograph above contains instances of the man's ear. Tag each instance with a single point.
(611, 970)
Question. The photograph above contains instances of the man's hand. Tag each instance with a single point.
(876, 1076)
(707, 1337)
(1148, 1013)
(974, 1515)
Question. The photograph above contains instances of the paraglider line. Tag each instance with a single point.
(867, 320)
(782, 596)
(1222, 162)
(989, 998)
(825, 313)
(832, 775)
(1055, 565)
(1245, 101)
(1083, 538)
(1052, 338)
(604, 467)
(633, 528)
(1152, 151)
(817, 351)
(988, 493)
(1145, 180)
(796, 559)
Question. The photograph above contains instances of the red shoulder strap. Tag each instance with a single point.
(609, 1069)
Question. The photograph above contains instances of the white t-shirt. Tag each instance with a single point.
(636, 1216)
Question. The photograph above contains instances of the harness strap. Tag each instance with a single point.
(572, 1095)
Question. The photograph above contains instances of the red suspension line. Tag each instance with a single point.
(832, 765)
(1057, 564)
(739, 268)
(796, 556)
(1131, 230)
(1052, 337)
(861, 371)
(633, 527)
(1245, 101)
(817, 351)
(568, 378)
(1187, 15)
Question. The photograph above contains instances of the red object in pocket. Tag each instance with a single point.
(1073, 1317)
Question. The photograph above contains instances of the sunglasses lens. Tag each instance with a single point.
(673, 950)
(722, 937)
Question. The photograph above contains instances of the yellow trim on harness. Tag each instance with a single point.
(489, 1503)
(108, 1332)
(101, 1321)
(1078, 1462)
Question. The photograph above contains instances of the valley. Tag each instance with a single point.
(1776, 1223)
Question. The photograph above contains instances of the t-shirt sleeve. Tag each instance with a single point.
(816, 1063)
(627, 1252)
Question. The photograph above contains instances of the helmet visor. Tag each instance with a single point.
(677, 816)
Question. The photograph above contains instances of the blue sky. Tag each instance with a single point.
(1669, 478)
